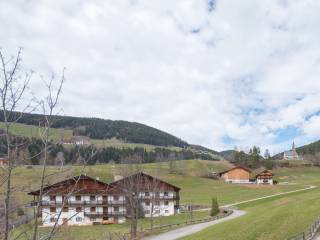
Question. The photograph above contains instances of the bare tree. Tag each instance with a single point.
(12, 89)
(48, 106)
(132, 186)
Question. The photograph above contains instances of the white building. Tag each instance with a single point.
(291, 154)
(83, 200)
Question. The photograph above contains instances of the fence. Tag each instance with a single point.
(309, 233)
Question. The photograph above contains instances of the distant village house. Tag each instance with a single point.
(242, 175)
(236, 175)
(77, 140)
(265, 177)
(3, 162)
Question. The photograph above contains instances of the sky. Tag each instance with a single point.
(220, 73)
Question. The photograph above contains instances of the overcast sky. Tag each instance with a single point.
(219, 73)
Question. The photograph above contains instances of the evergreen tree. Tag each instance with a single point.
(214, 207)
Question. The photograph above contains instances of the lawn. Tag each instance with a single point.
(276, 218)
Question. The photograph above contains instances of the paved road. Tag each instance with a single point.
(188, 230)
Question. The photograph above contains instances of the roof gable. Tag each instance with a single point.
(78, 185)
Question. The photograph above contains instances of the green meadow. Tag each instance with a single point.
(275, 218)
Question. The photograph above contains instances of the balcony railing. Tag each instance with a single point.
(72, 202)
(105, 214)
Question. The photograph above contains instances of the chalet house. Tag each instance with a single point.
(77, 140)
(3, 162)
(83, 200)
(236, 175)
(265, 177)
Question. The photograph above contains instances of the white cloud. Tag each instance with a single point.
(249, 70)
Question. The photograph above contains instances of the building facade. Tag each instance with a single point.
(265, 177)
(236, 175)
(291, 154)
(83, 200)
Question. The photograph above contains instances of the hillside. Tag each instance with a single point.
(97, 128)
(309, 150)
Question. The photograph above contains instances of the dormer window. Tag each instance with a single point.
(78, 198)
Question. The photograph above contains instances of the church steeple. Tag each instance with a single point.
(293, 146)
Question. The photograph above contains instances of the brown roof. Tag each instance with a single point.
(80, 184)
(265, 173)
(84, 184)
(144, 180)
(241, 167)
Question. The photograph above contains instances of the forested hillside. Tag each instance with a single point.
(97, 128)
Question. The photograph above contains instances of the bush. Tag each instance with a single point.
(20, 212)
(275, 182)
(214, 207)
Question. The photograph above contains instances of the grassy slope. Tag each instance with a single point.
(30, 131)
(56, 134)
(276, 218)
(199, 191)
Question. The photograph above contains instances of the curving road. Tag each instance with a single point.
(188, 230)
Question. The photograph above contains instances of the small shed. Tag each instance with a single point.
(265, 177)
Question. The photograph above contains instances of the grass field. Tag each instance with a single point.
(274, 218)
(56, 134)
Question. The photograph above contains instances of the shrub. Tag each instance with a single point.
(214, 207)
(20, 212)
(275, 182)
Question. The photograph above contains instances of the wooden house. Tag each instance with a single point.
(84, 200)
(236, 175)
(265, 177)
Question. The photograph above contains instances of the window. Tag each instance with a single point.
(53, 209)
(157, 195)
(116, 209)
(63, 198)
(78, 209)
(52, 198)
(116, 198)
(78, 219)
(105, 198)
(166, 203)
(92, 219)
(65, 209)
(157, 203)
(52, 220)
(166, 194)
(147, 194)
(147, 212)
(157, 212)
(105, 218)
(166, 211)
(147, 203)
(92, 198)
(78, 198)
(93, 209)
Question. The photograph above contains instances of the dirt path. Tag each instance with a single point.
(188, 230)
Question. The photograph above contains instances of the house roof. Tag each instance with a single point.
(238, 167)
(78, 184)
(84, 184)
(142, 180)
(265, 173)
